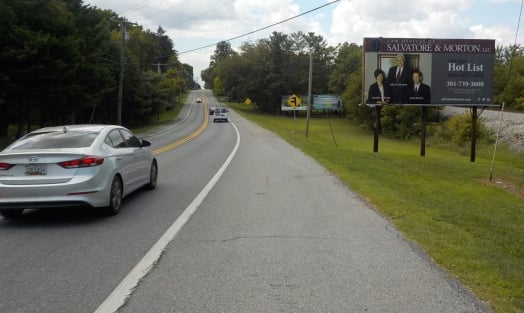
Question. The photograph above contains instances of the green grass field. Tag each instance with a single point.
(470, 225)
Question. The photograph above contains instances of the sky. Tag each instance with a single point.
(194, 24)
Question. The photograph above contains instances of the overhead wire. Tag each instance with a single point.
(263, 28)
(134, 7)
(518, 23)
(251, 32)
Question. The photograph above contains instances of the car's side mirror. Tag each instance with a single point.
(145, 143)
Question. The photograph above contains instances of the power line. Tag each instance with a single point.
(263, 28)
(518, 24)
(134, 6)
(252, 32)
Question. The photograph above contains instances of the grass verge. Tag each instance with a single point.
(470, 225)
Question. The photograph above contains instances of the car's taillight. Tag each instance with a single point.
(88, 161)
(5, 166)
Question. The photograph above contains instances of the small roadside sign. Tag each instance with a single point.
(247, 101)
(294, 101)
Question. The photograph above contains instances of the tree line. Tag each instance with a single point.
(62, 61)
(266, 69)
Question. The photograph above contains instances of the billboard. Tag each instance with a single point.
(428, 71)
(327, 102)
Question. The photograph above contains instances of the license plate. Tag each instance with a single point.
(36, 169)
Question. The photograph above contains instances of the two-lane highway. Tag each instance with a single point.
(269, 230)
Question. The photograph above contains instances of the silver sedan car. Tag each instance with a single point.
(76, 165)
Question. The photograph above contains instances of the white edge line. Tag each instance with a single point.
(118, 297)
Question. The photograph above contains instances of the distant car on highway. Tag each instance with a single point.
(211, 110)
(220, 114)
(198, 100)
(74, 165)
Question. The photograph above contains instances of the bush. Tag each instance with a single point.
(458, 129)
(404, 122)
(519, 104)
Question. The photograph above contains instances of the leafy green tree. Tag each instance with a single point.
(223, 51)
(509, 76)
(60, 63)
(218, 88)
(513, 90)
(230, 78)
(278, 60)
(37, 49)
(244, 74)
(52, 68)
(348, 61)
(352, 99)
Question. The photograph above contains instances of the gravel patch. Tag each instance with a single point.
(511, 125)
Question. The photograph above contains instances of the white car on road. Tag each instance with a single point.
(75, 165)
(220, 114)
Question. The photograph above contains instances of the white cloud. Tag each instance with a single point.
(353, 20)
(502, 35)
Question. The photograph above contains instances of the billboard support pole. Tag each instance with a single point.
(474, 118)
(377, 128)
(295, 119)
(423, 130)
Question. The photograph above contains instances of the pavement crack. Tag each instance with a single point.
(261, 237)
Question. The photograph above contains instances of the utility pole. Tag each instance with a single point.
(123, 38)
(159, 70)
(309, 102)
(122, 69)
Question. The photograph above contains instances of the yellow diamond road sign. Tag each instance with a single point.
(248, 101)
(294, 101)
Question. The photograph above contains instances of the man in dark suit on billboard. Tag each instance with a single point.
(419, 93)
(399, 79)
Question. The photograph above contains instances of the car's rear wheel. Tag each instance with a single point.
(115, 197)
(11, 214)
(153, 176)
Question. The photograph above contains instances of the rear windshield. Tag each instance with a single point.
(57, 140)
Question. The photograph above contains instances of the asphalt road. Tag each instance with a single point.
(275, 232)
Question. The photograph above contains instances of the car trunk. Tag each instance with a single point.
(37, 168)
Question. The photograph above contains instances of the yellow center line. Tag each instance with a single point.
(191, 136)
